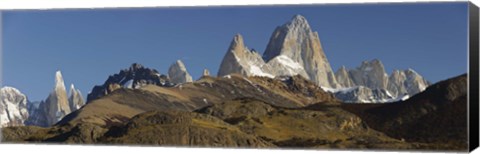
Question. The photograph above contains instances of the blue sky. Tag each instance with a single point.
(88, 45)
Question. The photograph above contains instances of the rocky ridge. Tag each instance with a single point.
(134, 77)
(294, 49)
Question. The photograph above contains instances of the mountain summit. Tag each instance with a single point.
(178, 73)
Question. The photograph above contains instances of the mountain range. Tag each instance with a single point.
(255, 111)
(295, 49)
(287, 97)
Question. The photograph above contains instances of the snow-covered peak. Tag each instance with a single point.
(178, 73)
(373, 64)
(75, 99)
(13, 107)
(9, 90)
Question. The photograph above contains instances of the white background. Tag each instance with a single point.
(83, 149)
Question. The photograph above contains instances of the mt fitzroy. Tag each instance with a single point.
(295, 49)
(57, 105)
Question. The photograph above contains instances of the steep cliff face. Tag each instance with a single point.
(297, 41)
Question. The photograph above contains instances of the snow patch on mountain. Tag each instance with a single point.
(257, 71)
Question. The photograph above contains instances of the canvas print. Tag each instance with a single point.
(343, 76)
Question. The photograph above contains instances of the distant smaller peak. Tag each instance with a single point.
(136, 66)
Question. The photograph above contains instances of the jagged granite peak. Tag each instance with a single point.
(57, 105)
(13, 107)
(239, 59)
(414, 82)
(401, 84)
(75, 98)
(370, 74)
(178, 73)
(206, 72)
(343, 77)
(297, 41)
(133, 77)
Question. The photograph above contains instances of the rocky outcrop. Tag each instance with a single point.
(370, 74)
(206, 72)
(343, 77)
(241, 60)
(361, 94)
(13, 107)
(134, 77)
(414, 82)
(178, 73)
(298, 42)
(75, 100)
